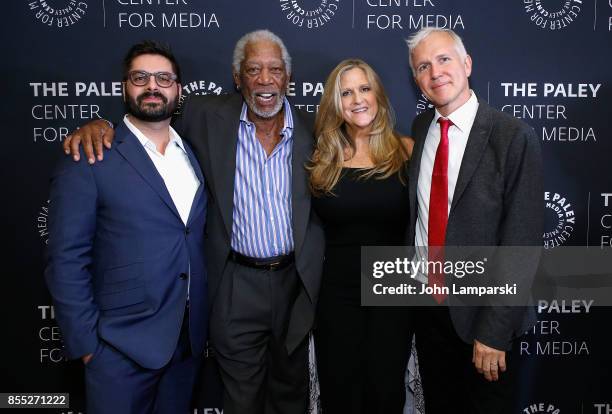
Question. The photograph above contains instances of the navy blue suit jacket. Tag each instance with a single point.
(119, 255)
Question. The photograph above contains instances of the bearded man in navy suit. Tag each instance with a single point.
(126, 266)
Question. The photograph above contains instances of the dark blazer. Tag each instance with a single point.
(211, 123)
(119, 255)
(497, 202)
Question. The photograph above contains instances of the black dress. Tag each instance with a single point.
(362, 352)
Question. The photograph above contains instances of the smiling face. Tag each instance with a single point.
(151, 103)
(441, 72)
(358, 99)
(263, 78)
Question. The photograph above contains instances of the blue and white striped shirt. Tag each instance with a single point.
(262, 192)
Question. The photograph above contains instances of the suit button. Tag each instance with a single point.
(183, 276)
(187, 231)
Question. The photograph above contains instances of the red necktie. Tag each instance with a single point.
(438, 211)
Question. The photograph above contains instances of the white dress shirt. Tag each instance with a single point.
(174, 167)
(458, 133)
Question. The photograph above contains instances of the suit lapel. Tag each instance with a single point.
(223, 140)
(420, 133)
(300, 194)
(196, 168)
(133, 152)
(477, 142)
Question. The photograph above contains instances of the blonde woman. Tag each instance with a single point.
(358, 177)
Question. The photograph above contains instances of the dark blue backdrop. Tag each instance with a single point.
(547, 61)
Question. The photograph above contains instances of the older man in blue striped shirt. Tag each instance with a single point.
(264, 243)
(269, 268)
(262, 191)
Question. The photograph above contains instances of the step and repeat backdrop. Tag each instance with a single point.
(547, 62)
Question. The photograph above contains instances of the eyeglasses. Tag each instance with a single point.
(141, 78)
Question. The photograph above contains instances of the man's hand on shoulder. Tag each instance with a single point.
(86, 358)
(93, 136)
(488, 361)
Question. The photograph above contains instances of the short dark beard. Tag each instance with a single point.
(150, 113)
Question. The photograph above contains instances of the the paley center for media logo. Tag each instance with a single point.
(560, 220)
(553, 14)
(308, 14)
(58, 13)
(199, 87)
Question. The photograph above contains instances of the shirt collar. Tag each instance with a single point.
(463, 116)
(146, 142)
(287, 122)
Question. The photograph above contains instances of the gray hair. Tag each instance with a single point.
(256, 36)
(414, 40)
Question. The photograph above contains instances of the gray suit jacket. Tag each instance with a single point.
(497, 202)
(210, 123)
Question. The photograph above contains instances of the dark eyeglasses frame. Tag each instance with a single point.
(159, 78)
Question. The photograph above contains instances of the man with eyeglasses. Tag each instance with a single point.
(125, 262)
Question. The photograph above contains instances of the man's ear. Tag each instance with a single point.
(180, 90)
(236, 77)
(468, 65)
(123, 91)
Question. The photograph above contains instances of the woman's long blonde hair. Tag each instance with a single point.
(386, 149)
